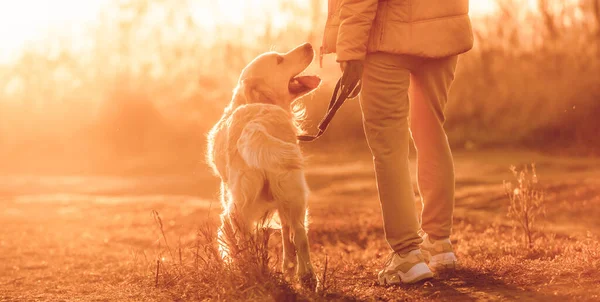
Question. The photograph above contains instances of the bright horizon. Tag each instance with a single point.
(28, 21)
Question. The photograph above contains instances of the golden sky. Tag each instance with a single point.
(26, 21)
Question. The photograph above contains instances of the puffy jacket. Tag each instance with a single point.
(425, 28)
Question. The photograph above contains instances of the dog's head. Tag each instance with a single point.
(274, 78)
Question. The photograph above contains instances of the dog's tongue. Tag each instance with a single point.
(310, 82)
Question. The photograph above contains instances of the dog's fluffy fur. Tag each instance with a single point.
(254, 150)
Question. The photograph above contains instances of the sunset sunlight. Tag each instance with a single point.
(27, 21)
(480, 8)
(266, 150)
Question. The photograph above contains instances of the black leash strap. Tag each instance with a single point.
(334, 104)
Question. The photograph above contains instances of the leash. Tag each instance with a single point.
(335, 103)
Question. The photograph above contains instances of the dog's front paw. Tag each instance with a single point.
(309, 281)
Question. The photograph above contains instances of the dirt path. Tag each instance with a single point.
(95, 239)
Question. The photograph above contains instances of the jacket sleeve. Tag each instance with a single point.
(356, 19)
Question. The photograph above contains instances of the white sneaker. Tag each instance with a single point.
(408, 268)
(438, 253)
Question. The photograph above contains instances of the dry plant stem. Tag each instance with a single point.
(179, 250)
(158, 220)
(324, 277)
(527, 201)
(157, 271)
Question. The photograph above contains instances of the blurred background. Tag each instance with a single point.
(132, 86)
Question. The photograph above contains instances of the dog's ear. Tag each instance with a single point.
(257, 91)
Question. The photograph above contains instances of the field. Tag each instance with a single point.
(95, 238)
(104, 194)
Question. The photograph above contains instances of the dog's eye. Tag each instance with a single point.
(279, 60)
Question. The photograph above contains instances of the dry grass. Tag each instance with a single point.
(493, 265)
(527, 201)
(72, 248)
(250, 272)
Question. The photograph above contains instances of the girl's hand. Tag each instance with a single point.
(351, 75)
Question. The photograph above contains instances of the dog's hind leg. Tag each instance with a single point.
(223, 195)
(226, 239)
(228, 233)
(289, 250)
(241, 212)
(305, 270)
(233, 233)
(225, 233)
(291, 192)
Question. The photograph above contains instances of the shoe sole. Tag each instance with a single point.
(443, 267)
(386, 280)
(399, 277)
(420, 278)
(441, 262)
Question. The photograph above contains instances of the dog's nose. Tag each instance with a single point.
(307, 46)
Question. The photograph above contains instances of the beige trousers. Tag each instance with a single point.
(397, 88)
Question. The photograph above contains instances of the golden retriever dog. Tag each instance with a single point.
(254, 150)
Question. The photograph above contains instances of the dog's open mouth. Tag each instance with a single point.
(303, 84)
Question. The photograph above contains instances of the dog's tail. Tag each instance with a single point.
(261, 150)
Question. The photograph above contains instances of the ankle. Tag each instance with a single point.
(436, 238)
(406, 252)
